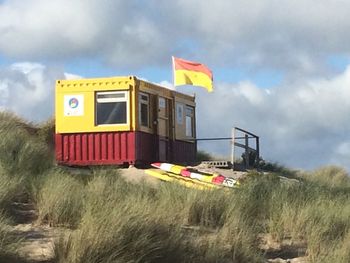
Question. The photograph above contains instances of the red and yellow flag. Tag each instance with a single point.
(192, 73)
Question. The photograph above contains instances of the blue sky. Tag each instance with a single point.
(280, 70)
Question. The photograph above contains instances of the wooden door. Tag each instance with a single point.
(163, 128)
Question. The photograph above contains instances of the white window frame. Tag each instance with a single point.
(124, 98)
(191, 116)
(147, 102)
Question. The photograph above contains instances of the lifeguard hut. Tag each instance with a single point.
(122, 120)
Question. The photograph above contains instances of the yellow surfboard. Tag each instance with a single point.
(186, 181)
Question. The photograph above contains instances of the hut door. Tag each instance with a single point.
(163, 128)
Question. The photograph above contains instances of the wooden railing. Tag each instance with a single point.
(251, 156)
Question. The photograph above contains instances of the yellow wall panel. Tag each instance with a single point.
(72, 118)
(75, 105)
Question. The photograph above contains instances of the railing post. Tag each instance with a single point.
(233, 133)
(246, 151)
(257, 152)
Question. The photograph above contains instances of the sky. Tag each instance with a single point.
(281, 68)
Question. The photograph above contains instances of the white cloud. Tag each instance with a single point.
(296, 36)
(71, 76)
(115, 31)
(288, 35)
(28, 89)
(250, 92)
(302, 124)
(167, 84)
(27, 67)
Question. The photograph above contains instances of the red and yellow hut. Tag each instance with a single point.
(122, 120)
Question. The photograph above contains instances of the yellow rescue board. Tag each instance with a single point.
(186, 181)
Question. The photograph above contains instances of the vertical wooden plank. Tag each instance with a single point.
(233, 134)
(117, 151)
(71, 148)
(246, 153)
(91, 147)
(78, 148)
(97, 147)
(59, 147)
(103, 146)
(84, 147)
(110, 146)
(131, 145)
(137, 145)
(257, 151)
(65, 147)
(123, 146)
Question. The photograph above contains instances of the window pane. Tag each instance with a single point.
(144, 97)
(189, 126)
(144, 114)
(189, 111)
(111, 113)
(179, 113)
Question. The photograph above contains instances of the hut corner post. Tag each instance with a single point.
(233, 133)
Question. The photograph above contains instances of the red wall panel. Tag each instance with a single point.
(95, 148)
(118, 148)
(146, 147)
(183, 152)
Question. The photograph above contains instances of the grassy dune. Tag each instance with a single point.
(23, 157)
(111, 220)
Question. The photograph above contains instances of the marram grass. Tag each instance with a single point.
(111, 220)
